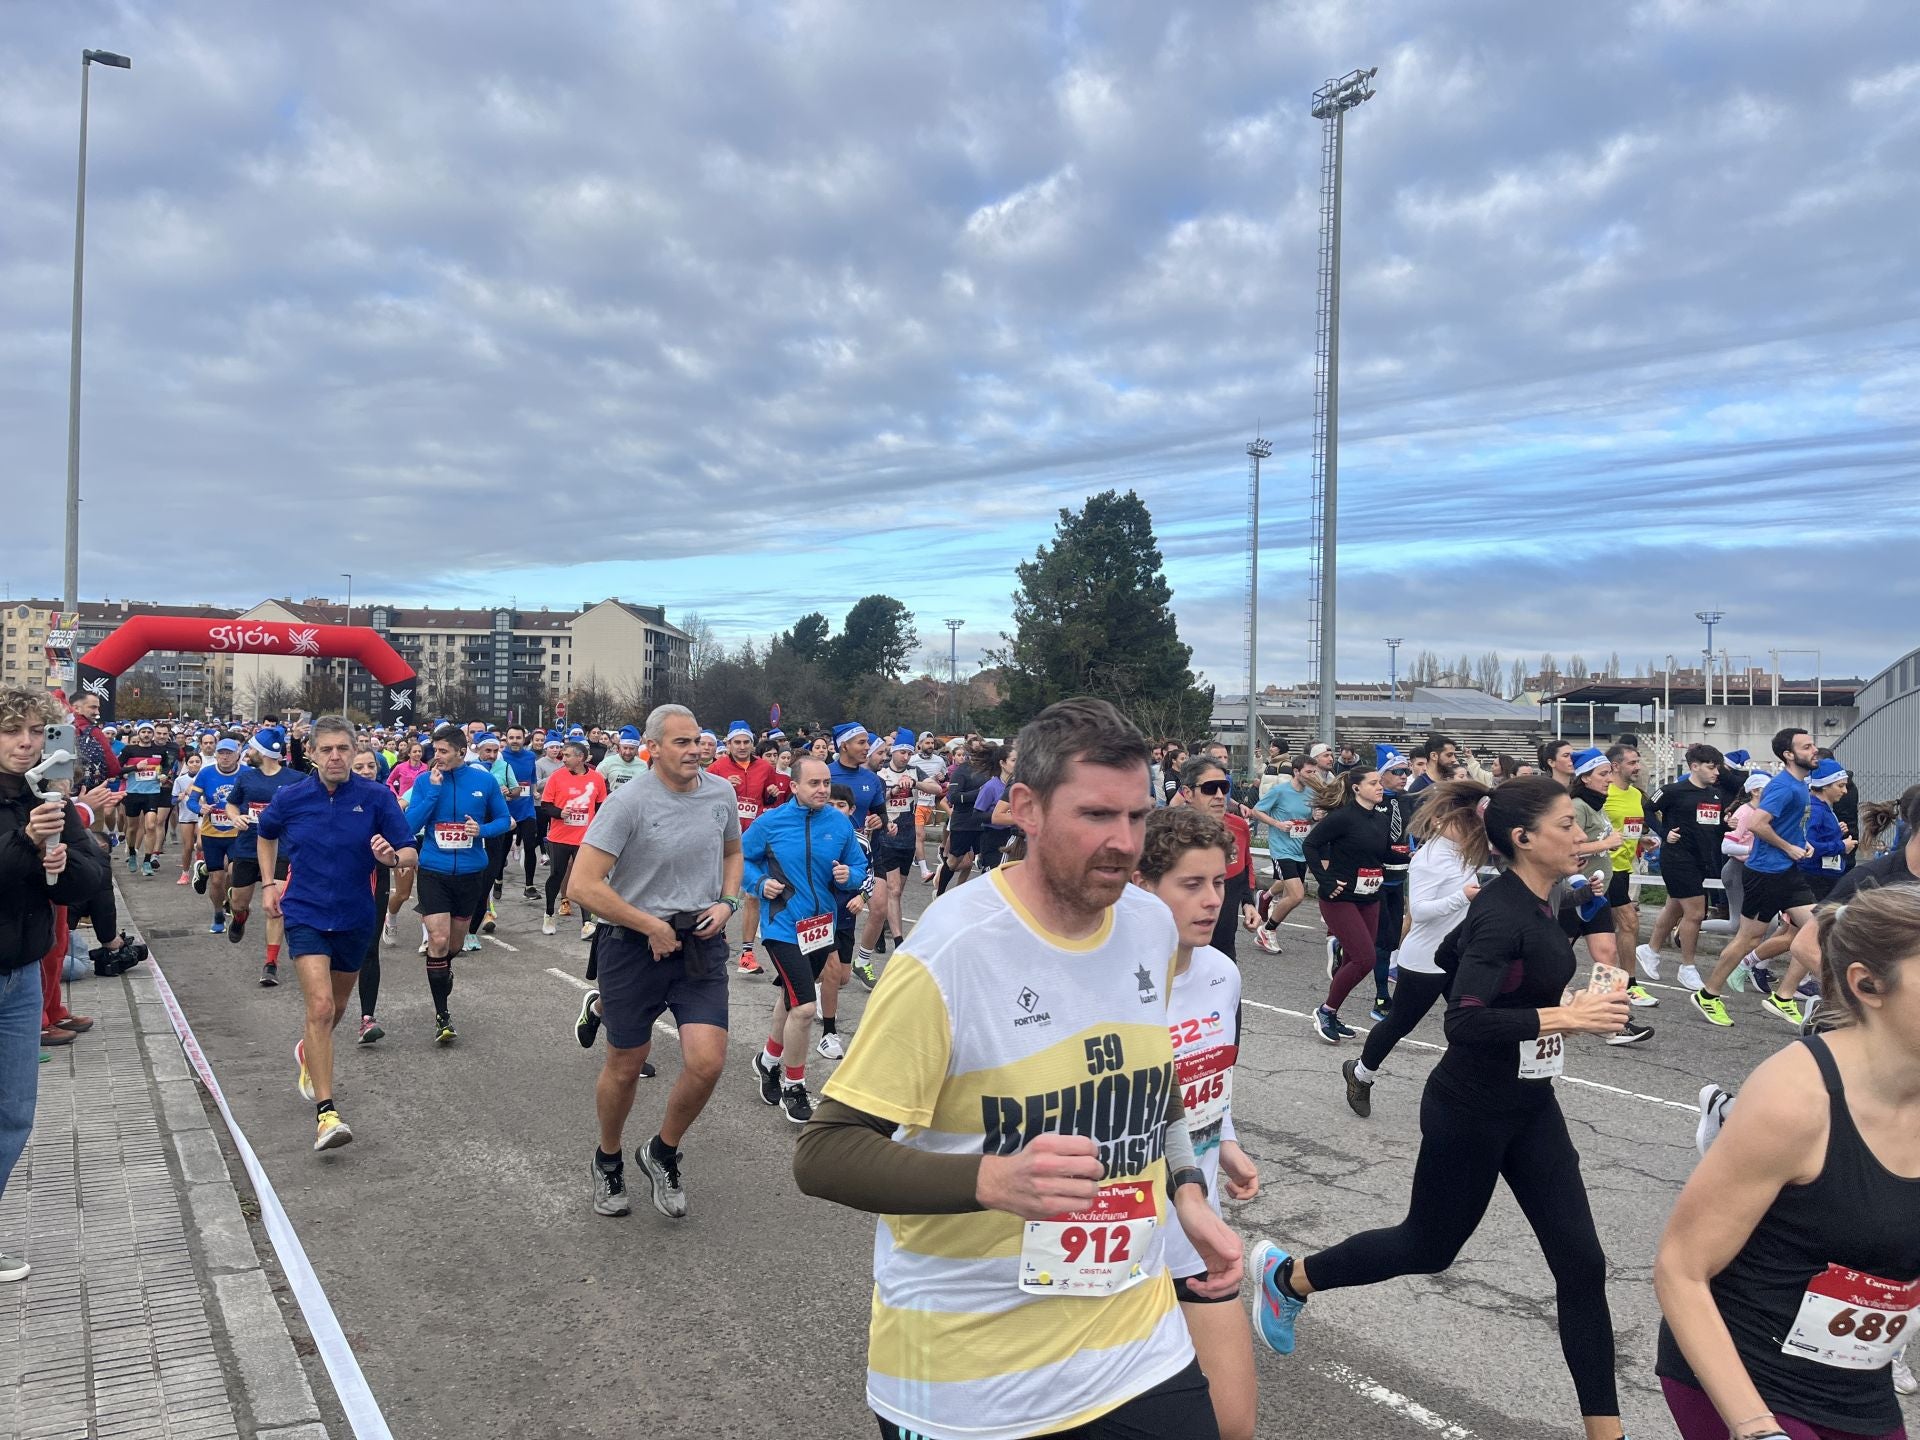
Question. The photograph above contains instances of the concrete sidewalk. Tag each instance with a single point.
(149, 1312)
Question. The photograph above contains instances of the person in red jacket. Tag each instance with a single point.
(751, 777)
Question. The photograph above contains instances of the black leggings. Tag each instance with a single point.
(527, 832)
(1464, 1148)
(1177, 1409)
(1414, 995)
(370, 962)
(497, 847)
(559, 863)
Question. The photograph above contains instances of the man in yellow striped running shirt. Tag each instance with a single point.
(1009, 1112)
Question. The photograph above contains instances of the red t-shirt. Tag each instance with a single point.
(749, 783)
(577, 797)
(779, 791)
(1242, 846)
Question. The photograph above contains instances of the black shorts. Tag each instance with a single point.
(244, 870)
(1765, 893)
(888, 861)
(455, 895)
(796, 973)
(1574, 925)
(1682, 876)
(962, 842)
(635, 988)
(1288, 869)
(1620, 888)
(132, 804)
(1184, 1294)
(1181, 1406)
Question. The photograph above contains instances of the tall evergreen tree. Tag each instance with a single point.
(876, 638)
(1093, 616)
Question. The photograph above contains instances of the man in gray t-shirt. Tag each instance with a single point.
(669, 846)
(660, 866)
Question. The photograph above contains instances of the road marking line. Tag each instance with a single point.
(501, 943)
(661, 1024)
(1429, 1045)
(1367, 1388)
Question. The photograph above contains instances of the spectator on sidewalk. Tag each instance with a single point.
(27, 901)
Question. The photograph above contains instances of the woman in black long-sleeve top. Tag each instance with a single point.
(1347, 853)
(1489, 1111)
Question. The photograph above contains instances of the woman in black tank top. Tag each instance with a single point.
(1789, 1275)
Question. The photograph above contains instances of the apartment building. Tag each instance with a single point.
(191, 682)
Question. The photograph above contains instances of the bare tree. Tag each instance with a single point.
(704, 647)
(1613, 665)
(1487, 671)
(1517, 680)
(1577, 667)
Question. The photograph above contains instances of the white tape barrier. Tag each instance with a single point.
(356, 1397)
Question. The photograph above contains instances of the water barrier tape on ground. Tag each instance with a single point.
(343, 1369)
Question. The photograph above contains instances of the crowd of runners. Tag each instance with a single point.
(1039, 1103)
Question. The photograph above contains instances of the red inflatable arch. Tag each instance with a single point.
(101, 666)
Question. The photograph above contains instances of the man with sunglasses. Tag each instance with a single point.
(1206, 786)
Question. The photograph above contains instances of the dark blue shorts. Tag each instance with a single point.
(213, 849)
(344, 949)
(635, 988)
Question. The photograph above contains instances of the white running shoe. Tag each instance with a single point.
(1649, 959)
(1690, 977)
(1903, 1380)
(1266, 939)
(586, 930)
(1714, 1103)
(547, 926)
(830, 1047)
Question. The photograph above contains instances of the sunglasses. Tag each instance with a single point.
(1214, 787)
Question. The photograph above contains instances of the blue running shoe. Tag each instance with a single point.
(1274, 1308)
(219, 925)
(1327, 1026)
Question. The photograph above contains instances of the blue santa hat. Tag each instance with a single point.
(629, 735)
(1385, 757)
(1827, 772)
(576, 733)
(903, 739)
(739, 727)
(1589, 759)
(269, 742)
(1739, 757)
(852, 729)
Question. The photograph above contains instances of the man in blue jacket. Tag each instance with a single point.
(455, 807)
(802, 859)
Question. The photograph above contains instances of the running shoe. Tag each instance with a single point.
(305, 1081)
(12, 1268)
(587, 1026)
(1382, 1007)
(1649, 959)
(1714, 1103)
(370, 1030)
(547, 927)
(1632, 1035)
(1267, 939)
(530, 892)
(797, 1103)
(1903, 1380)
(487, 923)
(926, 873)
(425, 944)
(587, 927)
(219, 925)
(1712, 1008)
(1742, 973)
(1333, 957)
(332, 1132)
(669, 1197)
(200, 877)
(748, 965)
(471, 945)
(386, 931)
(566, 906)
(443, 1031)
(769, 1078)
(269, 973)
(1639, 999)
(1275, 1308)
(1809, 989)
(1784, 1008)
(610, 1190)
(237, 927)
(1347, 1032)
(1326, 1025)
(1689, 977)
(1763, 978)
(1359, 1092)
(133, 862)
(830, 1048)
(863, 972)
(148, 869)
(1809, 1016)
(647, 1072)
(184, 878)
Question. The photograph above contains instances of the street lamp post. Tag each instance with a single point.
(118, 62)
(346, 665)
(1709, 618)
(953, 671)
(1393, 669)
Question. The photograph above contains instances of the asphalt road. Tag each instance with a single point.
(458, 1244)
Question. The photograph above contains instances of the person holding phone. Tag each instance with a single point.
(661, 867)
(1490, 1110)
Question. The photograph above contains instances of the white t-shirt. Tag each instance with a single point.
(1201, 1018)
(1436, 901)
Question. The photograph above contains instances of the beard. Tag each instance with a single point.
(1076, 889)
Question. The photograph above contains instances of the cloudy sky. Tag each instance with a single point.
(755, 309)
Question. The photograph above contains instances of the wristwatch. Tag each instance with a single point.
(732, 902)
(1191, 1175)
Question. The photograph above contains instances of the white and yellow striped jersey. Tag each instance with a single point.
(985, 1031)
